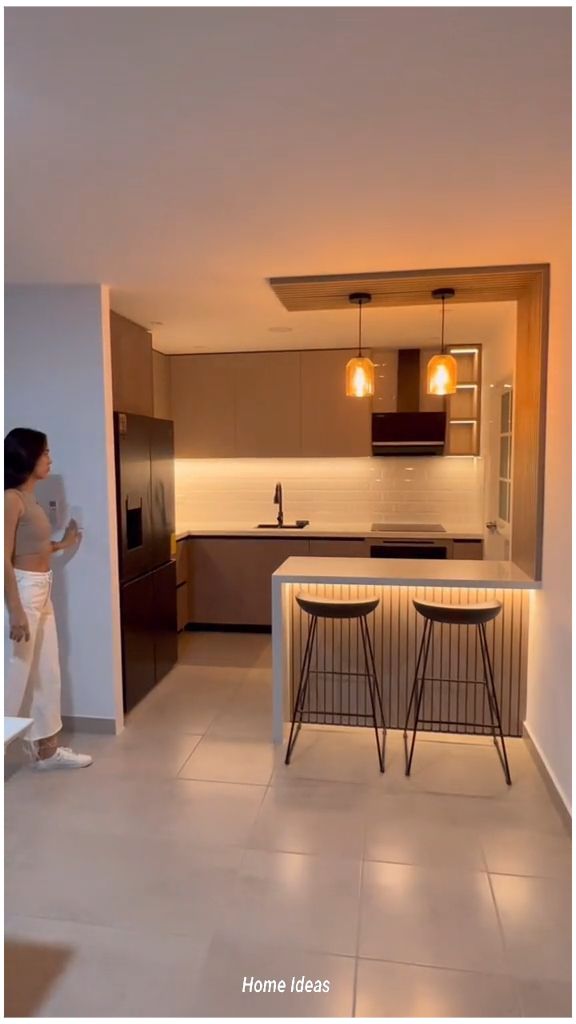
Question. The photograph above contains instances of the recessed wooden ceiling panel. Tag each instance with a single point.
(406, 288)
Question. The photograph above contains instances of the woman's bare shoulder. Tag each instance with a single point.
(13, 500)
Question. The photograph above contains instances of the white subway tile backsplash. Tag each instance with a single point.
(331, 490)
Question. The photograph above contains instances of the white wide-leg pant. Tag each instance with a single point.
(32, 668)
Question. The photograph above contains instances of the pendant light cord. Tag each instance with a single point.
(360, 329)
(443, 311)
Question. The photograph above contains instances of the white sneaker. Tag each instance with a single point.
(63, 758)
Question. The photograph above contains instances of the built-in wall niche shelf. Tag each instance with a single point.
(463, 408)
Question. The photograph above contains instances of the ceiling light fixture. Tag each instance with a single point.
(442, 371)
(360, 370)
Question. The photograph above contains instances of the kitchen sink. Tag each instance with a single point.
(285, 526)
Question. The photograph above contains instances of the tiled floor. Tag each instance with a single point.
(188, 857)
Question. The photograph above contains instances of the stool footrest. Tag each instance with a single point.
(464, 725)
(337, 672)
(461, 682)
(341, 714)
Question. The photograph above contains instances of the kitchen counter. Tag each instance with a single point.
(395, 629)
(452, 531)
(405, 572)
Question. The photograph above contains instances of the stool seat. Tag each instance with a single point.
(334, 608)
(459, 614)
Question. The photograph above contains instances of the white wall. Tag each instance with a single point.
(548, 716)
(58, 380)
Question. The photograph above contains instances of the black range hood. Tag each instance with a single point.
(408, 431)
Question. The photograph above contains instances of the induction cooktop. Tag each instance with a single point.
(407, 528)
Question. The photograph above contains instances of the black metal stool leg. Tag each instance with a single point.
(376, 682)
(410, 755)
(302, 688)
(372, 683)
(415, 683)
(493, 703)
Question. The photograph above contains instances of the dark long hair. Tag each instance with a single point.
(22, 449)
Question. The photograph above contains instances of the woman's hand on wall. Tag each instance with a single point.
(72, 537)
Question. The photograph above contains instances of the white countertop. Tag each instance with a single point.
(234, 529)
(407, 572)
(14, 727)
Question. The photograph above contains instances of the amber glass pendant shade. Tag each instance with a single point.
(359, 377)
(442, 370)
(441, 375)
(360, 370)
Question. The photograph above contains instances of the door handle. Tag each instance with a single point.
(492, 525)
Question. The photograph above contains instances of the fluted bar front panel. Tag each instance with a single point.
(396, 630)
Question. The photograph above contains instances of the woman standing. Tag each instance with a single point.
(32, 666)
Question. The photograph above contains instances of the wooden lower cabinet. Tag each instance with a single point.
(467, 549)
(182, 606)
(230, 578)
(348, 547)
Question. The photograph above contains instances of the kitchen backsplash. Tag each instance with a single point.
(339, 491)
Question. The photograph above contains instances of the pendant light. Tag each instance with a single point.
(360, 370)
(442, 371)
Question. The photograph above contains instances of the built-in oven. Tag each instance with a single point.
(406, 548)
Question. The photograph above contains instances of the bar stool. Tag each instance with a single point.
(329, 608)
(456, 615)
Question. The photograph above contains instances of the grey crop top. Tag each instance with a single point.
(33, 530)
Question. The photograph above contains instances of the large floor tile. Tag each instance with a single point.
(312, 817)
(230, 968)
(406, 990)
(131, 754)
(527, 852)
(198, 813)
(297, 901)
(231, 759)
(473, 770)
(63, 969)
(119, 882)
(438, 917)
(410, 830)
(248, 713)
(535, 916)
(239, 650)
(545, 998)
(338, 756)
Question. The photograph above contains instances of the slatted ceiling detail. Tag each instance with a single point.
(407, 288)
(396, 630)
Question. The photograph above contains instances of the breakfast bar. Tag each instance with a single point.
(395, 631)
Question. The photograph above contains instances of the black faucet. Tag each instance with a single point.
(278, 501)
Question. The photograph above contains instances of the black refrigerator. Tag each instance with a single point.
(144, 449)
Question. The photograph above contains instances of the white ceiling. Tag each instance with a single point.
(185, 155)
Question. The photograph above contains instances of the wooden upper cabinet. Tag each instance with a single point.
(162, 385)
(267, 404)
(332, 424)
(132, 371)
(203, 405)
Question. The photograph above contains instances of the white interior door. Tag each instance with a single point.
(498, 489)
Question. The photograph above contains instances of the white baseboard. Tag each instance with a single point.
(554, 788)
(103, 726)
